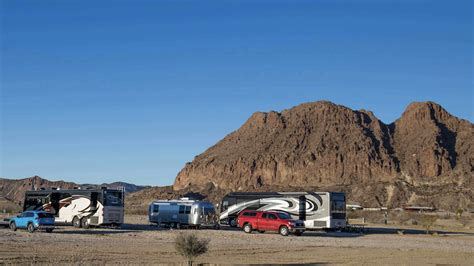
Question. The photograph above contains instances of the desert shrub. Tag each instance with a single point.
(190, 246)
(427, 221)
(459, 212)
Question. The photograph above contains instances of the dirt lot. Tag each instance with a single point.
(138, 243)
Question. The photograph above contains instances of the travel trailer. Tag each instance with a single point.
(318, 210)
(182, 212)
(79, 207)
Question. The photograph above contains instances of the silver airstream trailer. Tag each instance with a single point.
(182, 212)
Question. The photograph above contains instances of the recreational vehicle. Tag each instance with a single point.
(318, 210)
(79, 207)
(187, 212)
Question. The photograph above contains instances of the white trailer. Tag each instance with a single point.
(182, 212)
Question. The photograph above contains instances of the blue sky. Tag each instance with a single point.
(132, 90)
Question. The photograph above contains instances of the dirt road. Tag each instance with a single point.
(138, 243)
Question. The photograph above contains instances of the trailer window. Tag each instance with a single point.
(181, 209)
(156, 208)
(188, 210)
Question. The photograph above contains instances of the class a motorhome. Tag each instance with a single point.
(318, 210)
(182, 212)
(79, 207)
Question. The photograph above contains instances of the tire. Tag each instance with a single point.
(76, 222)
(30, 228)
(172, 225)
(247, 228)
(49, 230)
(232, 222)
(283, 230)
(85, 223)
(13, 226)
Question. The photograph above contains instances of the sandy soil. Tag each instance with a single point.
(138, 243)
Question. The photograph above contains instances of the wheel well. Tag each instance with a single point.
(279, 228)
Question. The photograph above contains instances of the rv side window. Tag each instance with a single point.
(156, 208)
(188, 210)
(181, 209)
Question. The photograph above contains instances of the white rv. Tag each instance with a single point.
(318, 210)
(79, 207)
(182, 212)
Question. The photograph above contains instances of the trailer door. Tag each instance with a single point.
(302, 208)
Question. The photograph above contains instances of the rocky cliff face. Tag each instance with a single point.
(324, 145)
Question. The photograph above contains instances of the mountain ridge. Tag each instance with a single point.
(322, 144)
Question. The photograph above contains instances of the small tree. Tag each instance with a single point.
(190, 246)
(459, 212)
(428, 221)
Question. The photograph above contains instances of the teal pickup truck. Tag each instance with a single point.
(32, 221)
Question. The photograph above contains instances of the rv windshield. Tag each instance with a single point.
(113, 198)
(338, 206)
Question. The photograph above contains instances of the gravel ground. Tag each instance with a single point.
(138, 243)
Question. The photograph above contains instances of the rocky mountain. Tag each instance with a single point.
(425, 157)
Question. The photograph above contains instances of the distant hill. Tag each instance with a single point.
(13, 190)
(425, 157)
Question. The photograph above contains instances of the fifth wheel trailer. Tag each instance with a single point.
(318, 210)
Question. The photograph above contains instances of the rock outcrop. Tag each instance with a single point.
(324, 145)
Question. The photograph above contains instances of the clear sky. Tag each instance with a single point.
(99, 91)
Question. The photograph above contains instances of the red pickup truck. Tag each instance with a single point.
(262, 221)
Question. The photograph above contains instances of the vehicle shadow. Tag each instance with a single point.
(93, 232)
(380, 231)
(410, 231)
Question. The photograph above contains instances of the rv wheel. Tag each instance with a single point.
(232, 223)
(76, 222)
(13, 226)
(283, 230)
(49, 230)
(85, 223)
(172, 225)
(31, 228)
